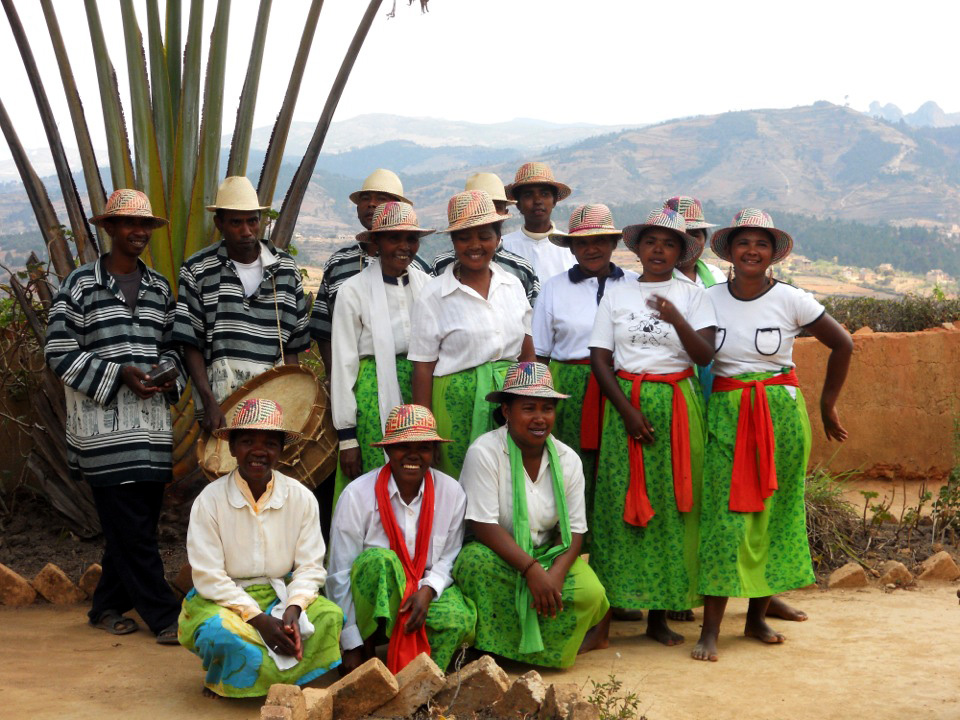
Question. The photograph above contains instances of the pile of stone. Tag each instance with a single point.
(478, 690)
(893, 575)
(51, 584)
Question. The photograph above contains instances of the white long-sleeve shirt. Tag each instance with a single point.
(547, 259)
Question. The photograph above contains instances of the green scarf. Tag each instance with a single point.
(490, 378)
(530, 639)
(705, 275)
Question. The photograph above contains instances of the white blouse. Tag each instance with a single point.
(487, 480)
(547, 259)
(454, 326)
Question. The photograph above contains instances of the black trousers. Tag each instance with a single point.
(132, 569)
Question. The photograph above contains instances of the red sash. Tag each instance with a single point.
(404, 647)
(637, 510)
(591, 418)
(754, 471)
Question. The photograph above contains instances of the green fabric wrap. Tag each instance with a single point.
(705, 275)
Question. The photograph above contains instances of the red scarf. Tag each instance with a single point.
(754, 471)
(637, 510)
(404, 647)
(592, 417)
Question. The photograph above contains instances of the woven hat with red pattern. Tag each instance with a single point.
(126, 202)
(536, 173)
(258, 414)
(409, 423)
(587, 220)
(471, 208)
(393, 217)
(664, 218)
(751, 218)
(530, 379)
(691, 209)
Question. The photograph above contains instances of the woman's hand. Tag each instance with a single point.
(350, 463)
(831, 423)
(350, 660)
(274, 635)
(291, 626)
(417, 605)
(638, 427)
(664, 309)
(547, 599)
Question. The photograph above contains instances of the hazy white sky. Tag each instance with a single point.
(598, 61)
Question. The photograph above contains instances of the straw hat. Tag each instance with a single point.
(394, 217)
(664, 218)
(491, 184)
(258, 414)
(409, 423)
(536, 173)
(691, 209)
(128, 203)
(236, 192)
(586, 221)
(751, 218)
(381, 181)
(529, 379)
(471, 208)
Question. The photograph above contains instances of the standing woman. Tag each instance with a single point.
(469, 325)
(695, 269)
(563, 320)
(370, 373)
(753, 529)
(647, 337)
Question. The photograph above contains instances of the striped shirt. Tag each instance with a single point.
(113, 436)
(511, 262)
(237, 335)
(339, 267)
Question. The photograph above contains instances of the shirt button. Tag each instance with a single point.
(410, 512)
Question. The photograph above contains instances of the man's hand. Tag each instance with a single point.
(133, 378)
(351, 462)
(213, 417)
(418, 606)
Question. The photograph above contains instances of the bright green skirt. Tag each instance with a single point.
(377, 582)
(656, 566)
(572, 380)
(764, 553)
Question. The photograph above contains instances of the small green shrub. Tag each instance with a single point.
(613, 703)
(910, 313)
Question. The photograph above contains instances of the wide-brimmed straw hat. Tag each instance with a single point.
(536, 173)
(394, 217)
(692, 211)
(236, 192)
(471, 208)
(381, 181)
(664, 218)
(258, 414)
(751, 218)
(491, 184)
(409, 423)
(529, 379)
(585, 221)
(126, 202)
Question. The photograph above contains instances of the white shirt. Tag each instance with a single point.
(640, 341)
(718, 275)
(566, 309)
(231, 544)
(547, 259)
(486, 478)
(757, 335)
(459, 329)
(356, 527)
(251, 274)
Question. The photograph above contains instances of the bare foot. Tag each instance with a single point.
(208, 693)
(706, 648)
(625, 615)
(778, 608)
(597, 637)
(680, 615)
(658, 629)
(763, 632)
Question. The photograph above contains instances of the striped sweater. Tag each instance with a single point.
(113, 436)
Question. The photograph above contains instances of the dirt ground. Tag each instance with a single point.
(862, 654)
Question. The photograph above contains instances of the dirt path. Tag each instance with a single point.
(863, 654)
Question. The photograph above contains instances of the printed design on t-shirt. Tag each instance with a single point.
(647, 330)
(719, 338)
(767, 340)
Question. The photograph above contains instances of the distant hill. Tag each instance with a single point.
(927, 115)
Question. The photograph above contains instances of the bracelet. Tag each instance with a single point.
(523, 572)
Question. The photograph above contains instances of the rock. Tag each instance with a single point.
(54, 585)
(275, 712)
(890, 587)
(364, 690)
(183, 582)
(481, 684)
(850, 575)
(288, 696)
(559, 700)
(523, 699)
(14, 588)
(895, 573)
(584, 711)
(319, 703)
(939, 567)
(419, 682)
(90, 579)
(949, 326)
(865, 330)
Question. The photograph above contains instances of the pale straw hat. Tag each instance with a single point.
(471, 208)
(692, 211)
(381, 181)
(409, 423)
(236, 192)
(258, 414)
(529, 379)
(536, 173)
(393, 217)
(128, 203)
(585, 221)
(664, 218)
(491, 184)
(751, 218)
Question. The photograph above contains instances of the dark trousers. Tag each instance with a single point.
(132, 569)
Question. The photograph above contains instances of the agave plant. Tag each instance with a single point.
(175, 160)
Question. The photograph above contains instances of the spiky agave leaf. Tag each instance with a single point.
(160, 88)
(172, 50)
(242, 130)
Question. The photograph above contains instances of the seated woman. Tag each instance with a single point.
(537, 601)
(395, 535)
(254, 615)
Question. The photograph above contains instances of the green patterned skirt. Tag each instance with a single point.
(377, 582)
(489, 582)
(234, 657)
(368, 416)
(756, 554)
(572, 380)
(656, 566)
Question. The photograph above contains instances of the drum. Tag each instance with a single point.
(306, 409)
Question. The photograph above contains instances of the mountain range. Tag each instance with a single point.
(927, 115)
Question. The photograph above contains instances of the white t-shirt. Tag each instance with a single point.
(547, 259)
(757, 335)
(566, 309)
(640, 341)
(251, 275)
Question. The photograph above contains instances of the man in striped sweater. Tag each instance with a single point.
(110, 325)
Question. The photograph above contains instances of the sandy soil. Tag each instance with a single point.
(863, 654)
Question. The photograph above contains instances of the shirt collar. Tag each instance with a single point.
(450, 282)
(104, 279)
(577, 275)
(390, 280)
(268, 254)
(240, 496)
(394, 491)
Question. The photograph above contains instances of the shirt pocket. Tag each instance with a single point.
(768, 340)
(438, 542)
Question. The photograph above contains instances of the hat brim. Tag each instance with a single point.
(355, 196)
(720, 242)
(563, 191)
(289, 436)
(488, 219)
(260, 208)
(691, 246)
(158, 222)
(501, 395)
(367, 234)
(564, 239)
(411, 438)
